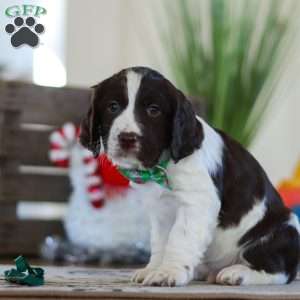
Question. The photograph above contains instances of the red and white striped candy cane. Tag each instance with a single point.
(62, 143)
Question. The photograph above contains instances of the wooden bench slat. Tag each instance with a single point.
(25, 237)
(29, 147)
(8, 211)
(45, 105)
(33, 187)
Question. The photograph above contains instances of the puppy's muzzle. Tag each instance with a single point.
(128, 140)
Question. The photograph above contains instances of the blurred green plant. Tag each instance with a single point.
(229, 57)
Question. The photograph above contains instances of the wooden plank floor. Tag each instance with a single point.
(97, 283)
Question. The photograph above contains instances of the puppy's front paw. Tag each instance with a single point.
(141, 274)
(167, 276)
(233, 275)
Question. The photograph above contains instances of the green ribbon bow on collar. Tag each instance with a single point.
(33, 276)
(157, 174)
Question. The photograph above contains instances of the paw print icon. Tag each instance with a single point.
(24, 33)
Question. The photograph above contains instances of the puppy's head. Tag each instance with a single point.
(136, 115)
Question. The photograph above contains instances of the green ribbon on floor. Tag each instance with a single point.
(24, 274)
(156, 174)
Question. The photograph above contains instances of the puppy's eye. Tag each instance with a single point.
(113, 107)
(153, 111)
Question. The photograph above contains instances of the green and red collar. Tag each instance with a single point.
(156, 174)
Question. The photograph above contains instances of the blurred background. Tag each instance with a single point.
(238, 59)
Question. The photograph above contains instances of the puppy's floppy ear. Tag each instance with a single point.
(90, 128)
(187, 132)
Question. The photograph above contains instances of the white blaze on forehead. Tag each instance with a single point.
(126, 121)
(133, 85)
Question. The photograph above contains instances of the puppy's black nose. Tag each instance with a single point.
(128, 140)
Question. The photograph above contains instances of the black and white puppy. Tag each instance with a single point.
(222, 220)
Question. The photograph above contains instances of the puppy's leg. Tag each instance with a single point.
(192, 232)
(162, 217)
(186, 246)
(271, 259)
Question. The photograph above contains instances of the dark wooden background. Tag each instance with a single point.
(28, 114)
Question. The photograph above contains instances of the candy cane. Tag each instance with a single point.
(62, 141)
